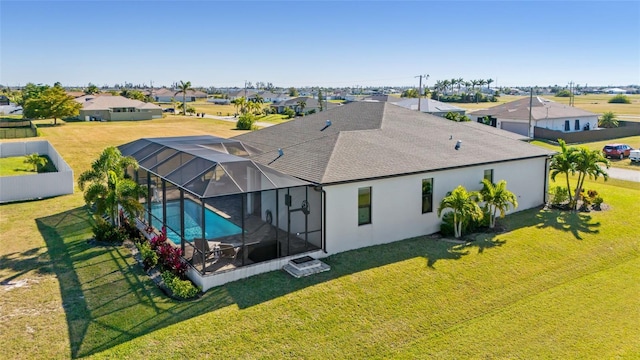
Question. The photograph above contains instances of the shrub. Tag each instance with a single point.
(597, 202)
(563, 93)
(312, 111)
(245, 121)
(289, 112)
(559, 195)
(149, 257)
(183, 289)
(103, 231)
(619, 99)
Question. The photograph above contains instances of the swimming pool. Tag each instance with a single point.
(215, 225)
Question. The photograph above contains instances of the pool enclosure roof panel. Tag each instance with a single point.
(206, 166)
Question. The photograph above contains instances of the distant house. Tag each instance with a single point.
(310, 103)
(428, 106)
(269, 97)
(113, 108)
(236, 94)
(4, 100)
(165, 95)
(514, 116)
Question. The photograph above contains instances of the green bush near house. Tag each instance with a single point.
(183, 289)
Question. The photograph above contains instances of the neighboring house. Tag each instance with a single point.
(75, 94)
(165, 95)
(428, 106)
(514, 116)
(236, 94)
(358, 175)
(269, 97)
(4, 100)
(113, 108)
(310, 103)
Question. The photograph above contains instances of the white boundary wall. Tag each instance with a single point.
(207, 282)
(35, 186)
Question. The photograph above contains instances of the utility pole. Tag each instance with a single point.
(245, 89)
(420, 87)
(571, 100)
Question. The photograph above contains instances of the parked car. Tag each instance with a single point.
(634, 155)
(617, 150)
(169, 110)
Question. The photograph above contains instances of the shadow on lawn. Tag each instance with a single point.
(107, 298)
(568, 221)
(264, 287)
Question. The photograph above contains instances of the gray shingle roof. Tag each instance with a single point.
(426, 105)
(542, 109)
(375, 139)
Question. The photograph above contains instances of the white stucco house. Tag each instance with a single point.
(514, 116)
(362, 174)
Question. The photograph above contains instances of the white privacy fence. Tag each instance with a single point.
(35, 186)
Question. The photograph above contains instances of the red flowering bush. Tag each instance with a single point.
(169, 257)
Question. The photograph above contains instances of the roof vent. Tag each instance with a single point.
(458, 144)
(280, 154)
(328, 123)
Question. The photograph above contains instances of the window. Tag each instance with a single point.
(364, 205)
(427, 195)
(567, 126)
(488, 174)
(577, 125)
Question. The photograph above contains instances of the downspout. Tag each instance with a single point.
(324, 220)
(545, 188)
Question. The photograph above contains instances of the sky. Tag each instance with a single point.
(319, 43)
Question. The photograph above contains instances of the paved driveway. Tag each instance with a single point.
(624, 174)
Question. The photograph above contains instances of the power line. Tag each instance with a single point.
(420, 88)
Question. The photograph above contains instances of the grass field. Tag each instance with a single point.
(12, 166)
(596, 103)
(554, 285)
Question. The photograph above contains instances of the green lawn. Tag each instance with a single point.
(633, 141)
(554, 285)
(273, 118)
(12, 166)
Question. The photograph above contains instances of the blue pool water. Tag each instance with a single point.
(215, 225)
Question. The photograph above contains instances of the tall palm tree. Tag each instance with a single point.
(464, 205)
(563, 163)
(183, 88)
(106, 187)
(467, 85)
(474, 83)
(454, 82)
(445, 85)
(482, 82)
(489, 81)
(35, 160)
(497, 198)
(587, 163)
(460, 81)
(258, 99)
(241, 104)
(608, 120)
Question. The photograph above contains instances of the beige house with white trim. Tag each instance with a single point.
(116, 108)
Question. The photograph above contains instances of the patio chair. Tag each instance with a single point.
(200, 244)
(229, 251)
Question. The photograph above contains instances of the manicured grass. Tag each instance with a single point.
(633, 141)
(273, 118)
(554, 285)
(12, 166)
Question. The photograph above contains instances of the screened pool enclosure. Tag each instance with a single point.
(222, 209)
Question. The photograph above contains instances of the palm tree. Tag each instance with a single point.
(497, 198)
(489, 81)
(258, 99)
(454, 82)
(300, 105)
(563, 163)
(240, 104)
(35, 160)
(106, 187)
(608, 120)
(482, 82)
(183, 88)
(445, 85)
(473, 84)
(587, 163)
(460, 81)
(464, 205)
